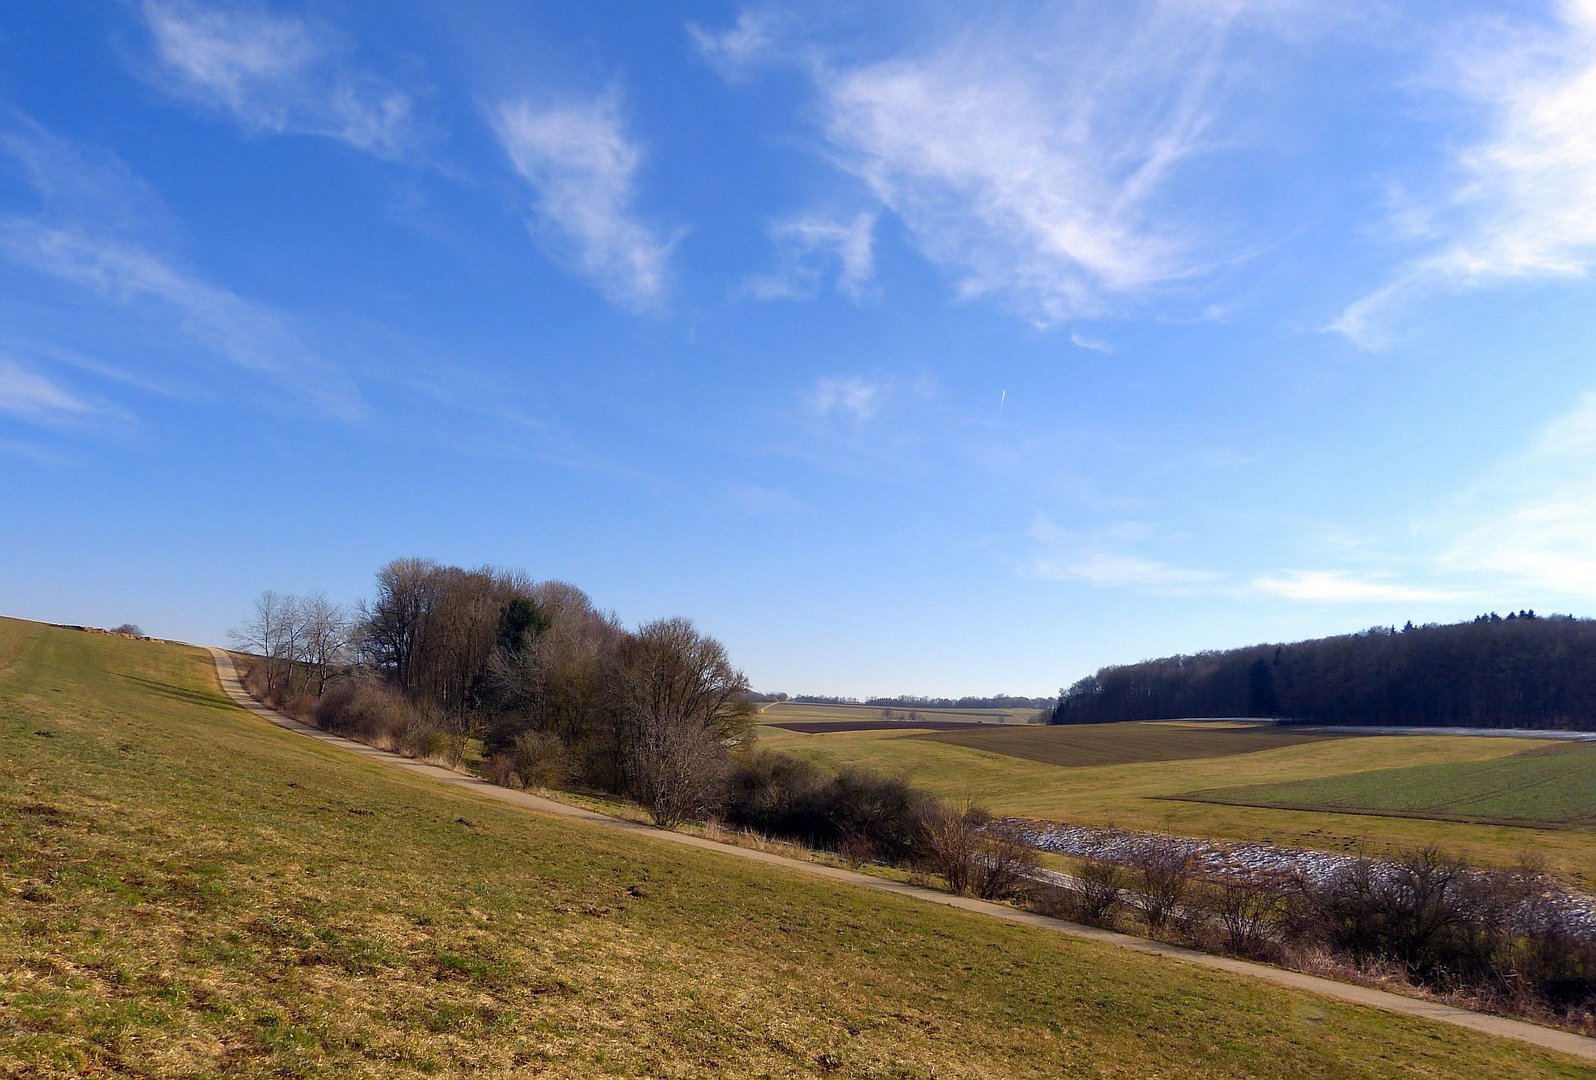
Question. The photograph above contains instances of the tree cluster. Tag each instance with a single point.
(1518, 671)
(301, 641)
(555, 688)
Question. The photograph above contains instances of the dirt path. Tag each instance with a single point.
(1561, 1041)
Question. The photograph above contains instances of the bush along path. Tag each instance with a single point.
(1576, 1046)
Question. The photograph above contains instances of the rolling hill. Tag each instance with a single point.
(188, 890)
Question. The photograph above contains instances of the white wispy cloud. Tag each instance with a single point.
(80, 181)
(808, 246)
(275, 73)
(27, 394)
(736, 50)
(1108, 570)
(1524, 205)
(1038, 161)
(1531, 521)
(1106, 556)
(39, 455)
(582, 167)
(1335, 586)
(850, 396)
(245, 334)
(1081, 341)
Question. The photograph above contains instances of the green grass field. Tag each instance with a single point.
(1147, 790)
(189, 891)
(1552, 786)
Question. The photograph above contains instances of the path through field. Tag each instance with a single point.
(1546, 1038)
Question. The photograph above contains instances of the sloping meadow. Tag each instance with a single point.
(186, 890)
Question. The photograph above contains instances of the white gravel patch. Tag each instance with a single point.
(1228, 858)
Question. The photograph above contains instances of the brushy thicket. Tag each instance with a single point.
(872, 817)
(534, 759)
(1498, 939)
(375, 713)
(868, 817)
(367, 711)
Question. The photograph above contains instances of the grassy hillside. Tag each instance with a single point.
(1552, 786)
(1143, 783)
(188, 891)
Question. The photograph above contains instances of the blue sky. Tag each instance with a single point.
(905, 347)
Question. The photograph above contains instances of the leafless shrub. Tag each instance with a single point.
(974, 856)
(255, 682)
(856, 847)
(1162, 876)
(499, 769)
(1098, 893)
(301, 707)
(1246, 908)
(334, 704)
(540, 759)
(1005, 866)
(951, 842)
(1499, 936)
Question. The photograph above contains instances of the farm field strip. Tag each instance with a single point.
(1125, 743)
(831, 727)
(1554, 786)
(1146, 795)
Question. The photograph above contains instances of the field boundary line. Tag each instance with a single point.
(1565, 1042)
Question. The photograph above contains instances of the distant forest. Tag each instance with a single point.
(1515, 671)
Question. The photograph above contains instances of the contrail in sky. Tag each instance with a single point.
(1002, 401)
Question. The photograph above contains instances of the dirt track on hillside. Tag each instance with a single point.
(1576, 1046)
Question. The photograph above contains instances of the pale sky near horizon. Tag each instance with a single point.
(905, 347)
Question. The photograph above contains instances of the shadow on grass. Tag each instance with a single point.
(179, 693)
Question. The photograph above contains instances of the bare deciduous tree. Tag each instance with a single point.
(681, 706)
(328, 635)
(392, 622)
(676, 768)
(951, 841)
(264, 633)
(435, 628)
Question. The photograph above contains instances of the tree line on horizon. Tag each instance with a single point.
(1519, 671)
(917, 701)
